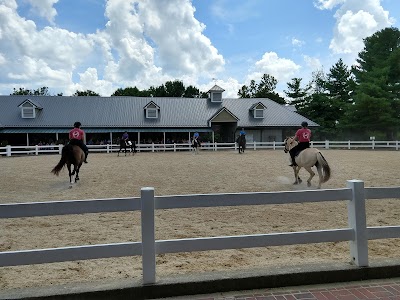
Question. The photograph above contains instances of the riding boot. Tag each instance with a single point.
(86, 155)
(293, 164)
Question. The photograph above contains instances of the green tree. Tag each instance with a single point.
(85, 93)
(131, 91)
(43, 91)
(296, 94)
(264, 89)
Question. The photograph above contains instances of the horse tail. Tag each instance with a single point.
(326, 169)
(64, 155)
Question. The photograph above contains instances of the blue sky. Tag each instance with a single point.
(70, 45)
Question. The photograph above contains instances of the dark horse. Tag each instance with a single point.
(126, 145)
(70, 155)
(241, 141)
(195, 145)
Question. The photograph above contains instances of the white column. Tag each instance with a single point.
(148, 235)
(27, 139)
(56, 137)
(358, 222)
(111, 138)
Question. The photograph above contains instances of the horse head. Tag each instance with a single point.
(289, 143)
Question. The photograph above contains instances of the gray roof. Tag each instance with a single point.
(128, 112)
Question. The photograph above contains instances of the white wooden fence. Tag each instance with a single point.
(357, 233)
(45, 149)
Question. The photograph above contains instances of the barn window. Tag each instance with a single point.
(259, 113)
(152, 113)
(28, 112)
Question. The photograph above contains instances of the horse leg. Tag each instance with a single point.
(312, 174)
(296, 170)
(71, 182)
(77, 173)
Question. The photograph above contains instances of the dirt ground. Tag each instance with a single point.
(28, 178)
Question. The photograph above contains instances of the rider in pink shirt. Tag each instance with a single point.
(77, 137)
(303, 135)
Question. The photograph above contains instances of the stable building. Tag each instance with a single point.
(29, 120)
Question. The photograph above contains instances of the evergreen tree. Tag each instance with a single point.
(296, 94)
(377, 75)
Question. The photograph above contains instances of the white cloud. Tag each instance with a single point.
(355, 20)
(297, 42)
(44, 8)
(282, 69)
(143, 43)
(312, 63)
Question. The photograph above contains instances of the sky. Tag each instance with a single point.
(103, 45)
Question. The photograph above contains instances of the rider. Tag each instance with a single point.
(303, 135)
(195, 141)
(77, 137)
(242, 132)
(125, 137)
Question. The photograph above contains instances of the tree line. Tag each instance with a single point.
(347, 102)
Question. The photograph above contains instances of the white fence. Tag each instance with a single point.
(45, 149)
(357, 232)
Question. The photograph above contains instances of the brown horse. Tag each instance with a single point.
(307, 159)
(70, 155)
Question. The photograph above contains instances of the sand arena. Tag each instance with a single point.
(28, 178)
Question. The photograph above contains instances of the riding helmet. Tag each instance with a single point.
(304, 124)
(77, 124)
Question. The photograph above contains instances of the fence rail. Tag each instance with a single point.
(357, 232)
(109, 148)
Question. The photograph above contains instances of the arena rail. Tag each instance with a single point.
(357, 232)
(109, 148)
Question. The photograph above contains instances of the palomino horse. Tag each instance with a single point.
(125, 145)
(306, 159)
(70, 155)
(241, 141)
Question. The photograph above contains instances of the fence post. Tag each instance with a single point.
(358, 221)
(215, 146)
(8, 150)
(326, 144)
(108, 148)
(373, 144)
(255, 145)
(235, 146)
(36, 150)
(397, 145)
(60, 146)
(152, 147)
(274, 145)
(348, 145)
(174, 147)
(148, 235)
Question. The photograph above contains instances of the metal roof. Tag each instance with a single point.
(127, 113)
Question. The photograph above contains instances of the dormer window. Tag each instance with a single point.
(151, 110)
(258, 110)
(29, 109)
(215, 94)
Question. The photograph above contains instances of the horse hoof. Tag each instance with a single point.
(295, 183)
(308, 184)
